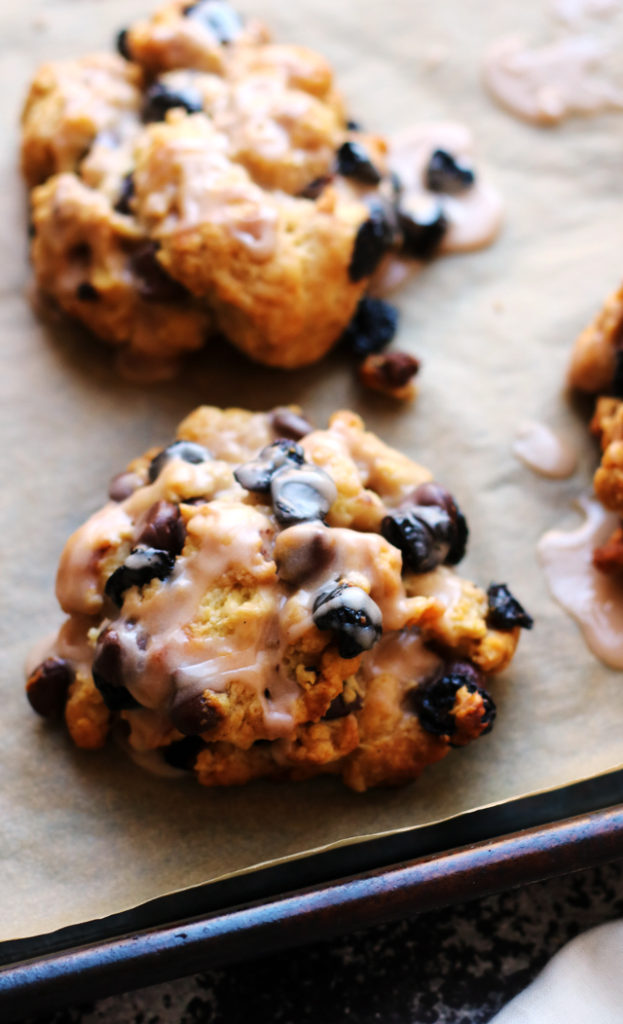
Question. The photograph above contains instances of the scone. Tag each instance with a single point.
(206, 183)
(597, 368)
(264, 599)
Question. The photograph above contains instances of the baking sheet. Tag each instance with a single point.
(87, 835)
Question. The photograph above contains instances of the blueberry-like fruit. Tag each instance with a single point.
(432, 493)
(446, 174)
(351, 615)
(222, 20)
(126, 194)
(108, 672)
(163, 528)
(142, 565)
(152, 281)
(47, 687)
(301, 494)
(422, 224)
(372, 328)
(374, 237)
(188, 451)
(160, 98)
(505, 611)
(258, 474)
(86, 292)
(121, 44)
(353, 161)
(434, 701)
(423, 533)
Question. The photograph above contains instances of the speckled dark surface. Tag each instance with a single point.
(455, 966)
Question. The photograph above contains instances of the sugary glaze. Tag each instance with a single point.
(548, 84)
(264, 628)
(592, 598)
(544, 451)
(573, 12)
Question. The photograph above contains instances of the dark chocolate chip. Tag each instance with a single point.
(164, 528)
(142, 565)
(422, 224)
(152, 281)
(423, 533)
(85, 292)
(353, 161)
(188, 451)
(289, 424)
(372, 328)
(300, 561)
(434, 701)
(301, 494)
(47, 687)
(123, 485)
(160, 98)
(617, 379)
(505, 611)
(316, 187)
(195, 715)
(121, 44)
(183, 753)
(108, 673)
(373, 239)
(432, 493)
(339, 707)
(351, 615)
(258, 474)
(126, 194)
(446, 174)
(222, 20)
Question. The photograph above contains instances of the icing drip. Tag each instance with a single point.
(545, 452)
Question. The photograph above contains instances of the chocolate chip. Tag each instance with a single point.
(164, 528)
(446, 174)
(505, 611)
(339, 707)
(296, 562)
(196, 715)
(123, 485)
(121, 44)
(316, 187)
(353, 161)
(434, 701)
(301, 494)
(431, 493)
(108, 672)
(142, 565)
(161, 98)
(188, 451)
(351, 615)
(289, 424)
(422, 533)
(354, 126)
(85, 292)
(126, 194)
(183, 753)
(152, 281)
(422, 224)
(373, 239)
(222, 20)
(258, 474)
(617, 379)
(372, 328)
(47, 687)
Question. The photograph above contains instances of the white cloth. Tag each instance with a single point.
(582, 984)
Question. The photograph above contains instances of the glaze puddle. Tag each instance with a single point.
(544, 451)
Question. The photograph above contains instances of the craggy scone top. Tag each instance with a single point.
(206, 182)
(261, 598)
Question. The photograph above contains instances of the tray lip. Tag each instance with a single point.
(386, 893)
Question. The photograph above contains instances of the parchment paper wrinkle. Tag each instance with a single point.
(86, 835)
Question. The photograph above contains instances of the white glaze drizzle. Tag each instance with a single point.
(544, 451)
(592, 598)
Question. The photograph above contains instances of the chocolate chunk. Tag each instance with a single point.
(188, 451)
(152, 281)
(161, 98)
(372, 328)
(164, 528)
(108, 672)
(423, 533)
(142, 565)
(339, 707)
(505, 611)
(289, 424)
(183, 753)
(373, 239)
(351, 615)
(222, 20)
(47, 687)
(316, 187)
(301, 494)
(258, 474)
(121, 44)
(434, 701)
(126, 194)
(422, 224)
(296, 562)
(196, 714)
(431, 493)
(123, 485)
(353, 161)
(85, 292)
(446, 174)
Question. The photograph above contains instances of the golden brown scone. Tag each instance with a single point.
(266, 213)
(593, 360)
(264, 599)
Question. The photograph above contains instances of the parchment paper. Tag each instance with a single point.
(86, 835)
